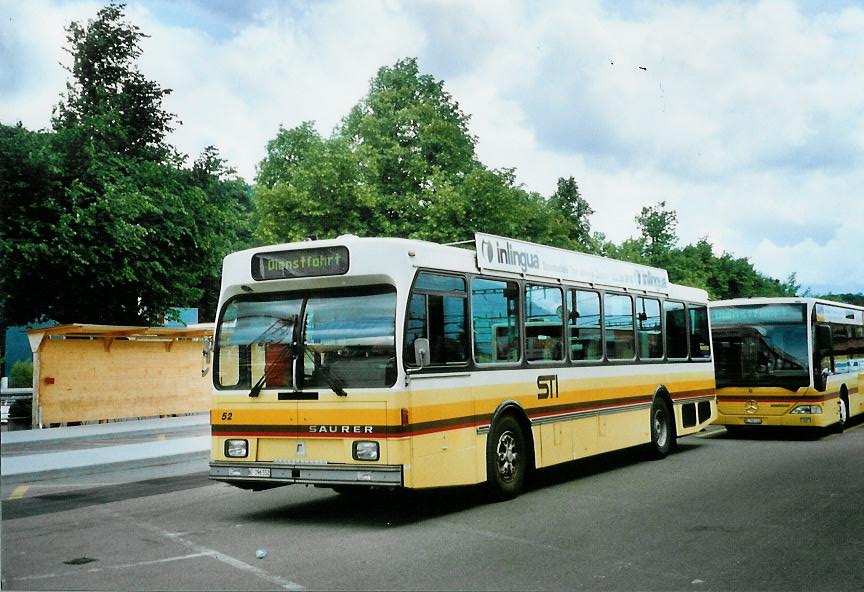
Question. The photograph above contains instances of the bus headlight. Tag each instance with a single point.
(236, 448)
(365, 450)
(807, 410)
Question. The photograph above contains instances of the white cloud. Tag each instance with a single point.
(748, 118)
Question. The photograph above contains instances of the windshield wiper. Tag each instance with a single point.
(334, 383)
(283, 355)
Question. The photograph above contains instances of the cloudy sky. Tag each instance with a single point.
(745, 117)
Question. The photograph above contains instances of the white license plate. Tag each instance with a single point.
(753, 420)
(255, 472)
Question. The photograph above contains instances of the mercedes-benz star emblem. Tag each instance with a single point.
(751, 406)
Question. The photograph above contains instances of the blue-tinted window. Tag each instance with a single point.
(495, 319)
(618, 320)
(544, 323)
(583, 326)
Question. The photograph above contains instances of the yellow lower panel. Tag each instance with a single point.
(856, 403)
(556, 442)
(443, 459)
(309, 450)
(322, 450)
(621, 430)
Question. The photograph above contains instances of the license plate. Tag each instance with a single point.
(255, 472)
(753, 420)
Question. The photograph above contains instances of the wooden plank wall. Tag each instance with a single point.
(94, 379)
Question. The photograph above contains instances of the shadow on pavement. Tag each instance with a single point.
(784, 433)
(81, 498)
(388, 509)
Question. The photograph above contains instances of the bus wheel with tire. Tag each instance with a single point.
(662, 428)
(506, 458)
(844, 414)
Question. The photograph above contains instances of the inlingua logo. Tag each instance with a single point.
(488, 250)
(511, 256)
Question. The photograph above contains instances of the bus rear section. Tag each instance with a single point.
(787, 362)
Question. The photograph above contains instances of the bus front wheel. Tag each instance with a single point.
(506, 458)
(844, 414)
(662, 428)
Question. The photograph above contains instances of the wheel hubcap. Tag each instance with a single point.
(661, 430)
(843, 412)
(507, 456)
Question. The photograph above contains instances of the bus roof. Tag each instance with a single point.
(386, 256)
(782, 300)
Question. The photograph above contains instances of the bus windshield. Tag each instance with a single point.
(348, 340)
(761, 345)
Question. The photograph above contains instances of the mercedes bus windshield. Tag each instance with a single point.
(761, 345)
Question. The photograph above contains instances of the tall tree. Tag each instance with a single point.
(569, 201)
(109, 104)
(105, 224)
(657, 227)
(401, 163)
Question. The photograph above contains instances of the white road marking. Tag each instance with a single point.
(226, 559)
(109, 567)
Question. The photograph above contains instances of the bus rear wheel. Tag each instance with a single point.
(844, 414)
(662, 429)
(506, 458)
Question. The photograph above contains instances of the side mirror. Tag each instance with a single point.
(422, 355)
(822, 338)
(206, 351)
(821, 350)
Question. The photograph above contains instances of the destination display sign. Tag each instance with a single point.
(300, 263)
(506, 254)
(836, 314)
(758, 314)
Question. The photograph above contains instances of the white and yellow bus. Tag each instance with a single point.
(788, 361)
(400, 363)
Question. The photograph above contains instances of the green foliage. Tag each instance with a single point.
(575, 210)
(21, 375)
(657, 228)
(108, 103)
(102, 222)
(402, 163)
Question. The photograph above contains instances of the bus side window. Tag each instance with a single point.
(437, 311)
(676, 329)
(583, 326)
(618, 320)
(648, 328)
(841, 340)
(544, 323)
(700, 342)
(495, 318)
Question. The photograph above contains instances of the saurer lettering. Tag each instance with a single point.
(340, 429)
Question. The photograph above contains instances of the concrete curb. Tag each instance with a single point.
(40, 467)
(143, 426)
(203, 457)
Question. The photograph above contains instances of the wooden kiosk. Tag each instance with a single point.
(88, 373)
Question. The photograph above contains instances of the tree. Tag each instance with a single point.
(657, 227)
(30, 198)
(575, 210)
(102, 221)
(401, 163)
(110, 105)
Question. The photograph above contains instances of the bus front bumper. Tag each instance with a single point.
(311, 474)
(787, 419)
